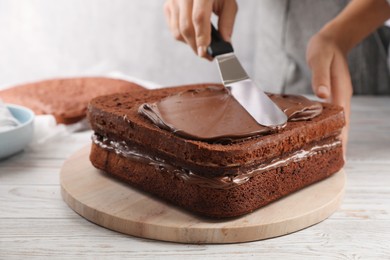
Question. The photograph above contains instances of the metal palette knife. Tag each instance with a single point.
(250, 96)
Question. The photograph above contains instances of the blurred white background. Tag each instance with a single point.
(42, 39)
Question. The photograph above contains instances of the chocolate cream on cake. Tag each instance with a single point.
(213, 114)
(191, 177)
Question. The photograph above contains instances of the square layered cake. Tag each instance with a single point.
(197, 148)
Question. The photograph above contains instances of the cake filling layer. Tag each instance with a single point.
(219, 182)
(213, 114)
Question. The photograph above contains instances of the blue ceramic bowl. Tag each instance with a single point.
(16, 139)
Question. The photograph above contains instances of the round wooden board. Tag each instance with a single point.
(115, 205)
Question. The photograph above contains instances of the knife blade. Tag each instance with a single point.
(248, 94)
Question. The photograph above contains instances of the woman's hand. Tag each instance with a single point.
(189, 21)
(330, 74)
(327, 50)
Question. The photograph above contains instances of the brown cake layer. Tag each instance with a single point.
(211, 179)
(117, 117)
(259, 190)
(65, 99)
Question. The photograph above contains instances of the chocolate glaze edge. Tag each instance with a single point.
(213, 115)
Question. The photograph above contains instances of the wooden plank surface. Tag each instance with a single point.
(114, 205)
(35, 223)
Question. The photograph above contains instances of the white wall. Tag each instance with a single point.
(54, 38)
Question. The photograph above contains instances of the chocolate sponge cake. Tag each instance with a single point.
(197, 148)
(66, 99)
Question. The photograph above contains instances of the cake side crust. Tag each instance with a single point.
(259, 191)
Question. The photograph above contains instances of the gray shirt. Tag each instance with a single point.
(297, 22)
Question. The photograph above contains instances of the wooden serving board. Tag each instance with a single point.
(115, 205)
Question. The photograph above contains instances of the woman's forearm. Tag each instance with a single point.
(357, 21)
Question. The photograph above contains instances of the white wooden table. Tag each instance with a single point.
(35, 223)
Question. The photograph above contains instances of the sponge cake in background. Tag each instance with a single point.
(66, 99)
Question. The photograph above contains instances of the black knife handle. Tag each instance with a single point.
(218, 46)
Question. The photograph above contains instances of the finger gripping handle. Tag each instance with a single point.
(218, 46)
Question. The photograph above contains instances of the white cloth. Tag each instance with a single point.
(46, 129)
